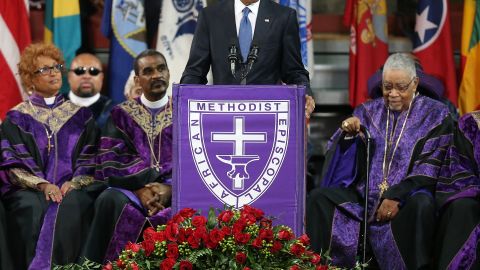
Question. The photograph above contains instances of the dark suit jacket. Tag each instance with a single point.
(276, 35)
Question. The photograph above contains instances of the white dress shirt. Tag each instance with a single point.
(252, 16)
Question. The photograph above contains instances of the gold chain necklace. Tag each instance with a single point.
(154, 161)
(46, 127)
(386, 169)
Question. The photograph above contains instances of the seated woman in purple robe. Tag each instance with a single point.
(47, 152)
(409, 132)
(458, 197)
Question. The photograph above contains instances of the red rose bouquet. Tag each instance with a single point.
(235, 239)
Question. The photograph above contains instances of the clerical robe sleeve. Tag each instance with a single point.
(20, 156)
(83, 158)
(461, 178)
(426, 164)
(120, 164)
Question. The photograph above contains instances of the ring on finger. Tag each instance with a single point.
(345, 124)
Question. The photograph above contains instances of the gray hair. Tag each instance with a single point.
(400, 61)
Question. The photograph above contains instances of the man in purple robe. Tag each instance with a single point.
(135, 158)
(458, 196)
(410, 133)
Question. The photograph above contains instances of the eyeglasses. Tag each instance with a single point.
(79, 71)
(401, 87)
(48, 70)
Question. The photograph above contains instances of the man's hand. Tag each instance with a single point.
(149, 200)
(388, 210)
(162, 191)
(309, 106)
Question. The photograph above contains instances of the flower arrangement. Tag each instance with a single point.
(235, 239)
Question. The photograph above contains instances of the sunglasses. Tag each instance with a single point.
(401, 87)
(48, 70)
(79, 71)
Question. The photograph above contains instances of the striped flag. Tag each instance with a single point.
(469, 94)
(15, 34)
(304, 15)
(178, 20)
(63, 28)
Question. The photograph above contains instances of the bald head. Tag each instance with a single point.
(85, 75)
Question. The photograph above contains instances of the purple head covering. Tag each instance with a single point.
(428, 85)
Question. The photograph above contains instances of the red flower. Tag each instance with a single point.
(285, 235)
(297, 249)
(276, 247)
(148, 246)
(167, 264)
(159, 236)
(185, 265)
(148, 233)
(172, 251)
(176, 219)
(216, 235)
(295, 267)
(265, 234)
(240, 257)
(133, 247)
(108, 266)
(193, 242)
(257, 243)
(315, 258)
(246, 268)
(120, 263)
(187, 212)
(225, 216)
(134, 266)
(241, 238)
(201, 233)
(266, 223)
(199, 221)
(171, 232)
(249, 210)
(227, 230)
(321, 267)
(304, 239)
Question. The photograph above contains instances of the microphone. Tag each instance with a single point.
(252, 57)
(232, 58)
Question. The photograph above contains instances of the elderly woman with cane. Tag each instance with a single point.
(409, 132)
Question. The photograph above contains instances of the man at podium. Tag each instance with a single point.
(247, 42)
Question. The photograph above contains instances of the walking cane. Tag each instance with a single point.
(366, 133)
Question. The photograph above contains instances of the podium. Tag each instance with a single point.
(237, 145)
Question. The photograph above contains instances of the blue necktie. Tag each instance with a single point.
(245, 34)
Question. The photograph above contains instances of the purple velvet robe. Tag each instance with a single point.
(24, 146)
(462, 181)
(125, 161)
(427, 133)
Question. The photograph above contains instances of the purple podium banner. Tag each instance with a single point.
(236, 145)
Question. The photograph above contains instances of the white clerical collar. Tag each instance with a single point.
(49, 100)
(239, 6)
(154, 104)
(83, 101)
